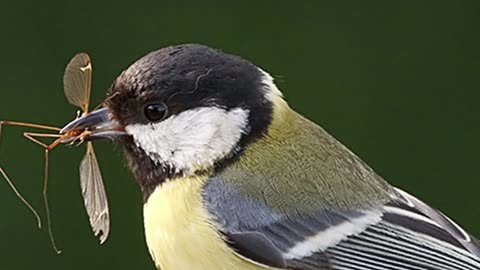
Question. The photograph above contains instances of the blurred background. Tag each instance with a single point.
(398, 83)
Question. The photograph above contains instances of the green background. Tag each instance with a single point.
(398, 83)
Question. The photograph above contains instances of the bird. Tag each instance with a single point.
(234, 179)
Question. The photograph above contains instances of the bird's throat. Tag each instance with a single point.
(147, 173)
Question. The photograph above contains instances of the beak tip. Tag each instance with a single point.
(69, 126)
(99, 123)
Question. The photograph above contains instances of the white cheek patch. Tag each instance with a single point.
(194, 139)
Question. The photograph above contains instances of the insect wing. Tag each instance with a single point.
(94, 195)
(77, 81)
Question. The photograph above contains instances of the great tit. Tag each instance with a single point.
(234, 179)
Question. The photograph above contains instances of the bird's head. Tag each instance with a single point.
(184, 109)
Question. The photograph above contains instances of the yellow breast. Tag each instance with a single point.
(180, 234)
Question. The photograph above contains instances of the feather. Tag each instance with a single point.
(403, 234)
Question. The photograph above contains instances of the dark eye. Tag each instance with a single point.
(155, 111)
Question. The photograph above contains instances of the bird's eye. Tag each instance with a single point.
(155, 111)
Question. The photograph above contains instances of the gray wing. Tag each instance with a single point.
(77, 81)
(404, 234)
(94, 196)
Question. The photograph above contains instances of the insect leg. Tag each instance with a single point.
(31, 136)
(45, 201)
(10, 182)
(14, 188)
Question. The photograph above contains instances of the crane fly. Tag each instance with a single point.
(77, 87)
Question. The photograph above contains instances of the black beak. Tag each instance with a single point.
(100, 124)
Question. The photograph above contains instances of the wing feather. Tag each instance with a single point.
(404, 234)
(443, 222)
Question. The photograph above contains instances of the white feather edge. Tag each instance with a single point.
(272, 91)
(333, 235)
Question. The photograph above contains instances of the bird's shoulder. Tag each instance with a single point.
(300, 163)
